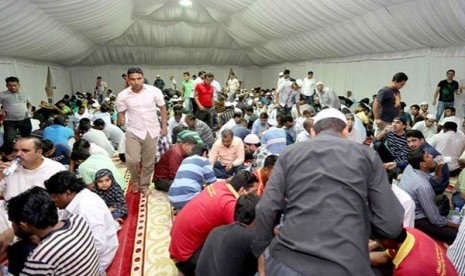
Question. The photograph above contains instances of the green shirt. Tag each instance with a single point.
(188, 86)
(94, 163)
(67, 110)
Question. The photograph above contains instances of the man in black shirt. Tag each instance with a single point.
(386, 106)
(446, 90)
(227, 249)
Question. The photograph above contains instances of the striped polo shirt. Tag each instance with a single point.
(274, 139)
(192, 174)
(397, 146)
(67, 251)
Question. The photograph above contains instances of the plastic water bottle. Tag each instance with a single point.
(462, 212)
(456, 216)
(5, 270)
(12, 168)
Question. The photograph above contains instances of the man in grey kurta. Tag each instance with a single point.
(334, 193)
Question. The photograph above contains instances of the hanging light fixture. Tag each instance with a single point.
(186, 3)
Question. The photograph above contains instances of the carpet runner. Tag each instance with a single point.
(144, 236)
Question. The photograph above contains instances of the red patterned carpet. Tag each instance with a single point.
(144, 237)
(121, 265)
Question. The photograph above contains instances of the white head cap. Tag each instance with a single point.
(431, 116)
(329, 113)
(272, 122)
(251, 139)
(299, 82)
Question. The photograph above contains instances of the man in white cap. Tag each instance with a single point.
(251, 144)
(253, 147)
(288, 95)
(424, 109)
(327, 96)
(428, 126)
(329, 205)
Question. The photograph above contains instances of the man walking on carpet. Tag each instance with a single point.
(139, 102)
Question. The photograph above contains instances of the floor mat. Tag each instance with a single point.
(154, 223)
(144, 236)
(126, 238)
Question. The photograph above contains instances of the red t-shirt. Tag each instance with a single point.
(212, 207)
(205, 94)
(421, 255)
(169, 163)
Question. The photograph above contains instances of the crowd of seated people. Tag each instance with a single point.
(221, 148)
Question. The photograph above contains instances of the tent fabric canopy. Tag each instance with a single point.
(234, 32)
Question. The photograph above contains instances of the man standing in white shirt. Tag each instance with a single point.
(139, 102)
(101, 88)
(233, 86)
(172, 83)
(71, 195)
(288, 95)
(308, 87)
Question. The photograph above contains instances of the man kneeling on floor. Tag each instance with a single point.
(64, 247)
(166, 168)
(212, 207)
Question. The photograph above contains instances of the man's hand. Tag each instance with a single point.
(390, 165)
(3, 166)
(379, 258)
(261, 265)
(121, 120)
(378, 122)
(372, 245)
(201, 108)
(434, 102)
(228, 167)
(163, 131)
(6, 238)
(453, 225)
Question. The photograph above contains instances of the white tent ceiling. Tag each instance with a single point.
(233, 32)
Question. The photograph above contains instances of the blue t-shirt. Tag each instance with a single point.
(58, 134)
(61, 154)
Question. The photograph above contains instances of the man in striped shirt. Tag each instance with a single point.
(194, 171)
(274, 139)
(395, 140)
(66, 247)
(415, 181)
